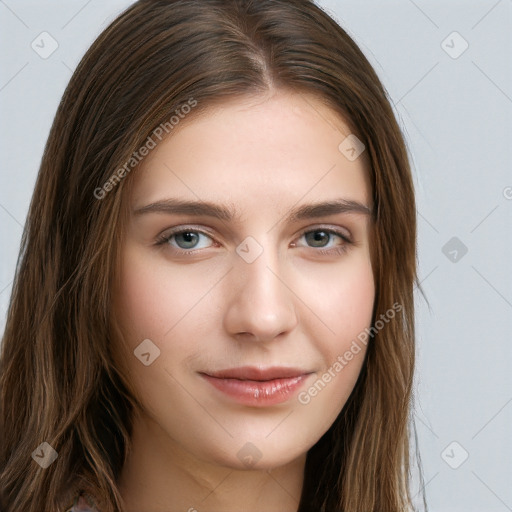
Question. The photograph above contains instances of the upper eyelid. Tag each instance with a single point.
(183, 229)
(347, 238)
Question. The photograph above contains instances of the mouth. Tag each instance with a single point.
(258, 387)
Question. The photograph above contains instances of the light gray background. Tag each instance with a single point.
(456, 114)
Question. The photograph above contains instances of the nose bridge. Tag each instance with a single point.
(259, 280)
(260, 303)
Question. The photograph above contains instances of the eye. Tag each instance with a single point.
(186, 239)
(329, 240)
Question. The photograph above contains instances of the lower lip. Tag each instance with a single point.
(258, 393)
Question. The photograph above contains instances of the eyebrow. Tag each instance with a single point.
(173, 206)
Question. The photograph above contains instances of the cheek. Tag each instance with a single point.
(341, 297)
(154, 302)
(343, 307)
(151, 303)
(154, 299)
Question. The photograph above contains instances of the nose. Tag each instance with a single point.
(261, 304)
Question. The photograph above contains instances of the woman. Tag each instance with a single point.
(213, 308)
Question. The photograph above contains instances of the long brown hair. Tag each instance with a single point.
(58, 381)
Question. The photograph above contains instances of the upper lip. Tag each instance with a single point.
(258, 373)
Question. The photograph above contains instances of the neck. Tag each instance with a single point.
(160, 473)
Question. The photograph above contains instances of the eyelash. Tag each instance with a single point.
(338, 250)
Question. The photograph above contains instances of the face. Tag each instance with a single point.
(245, 277)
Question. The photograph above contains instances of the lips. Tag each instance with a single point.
(259, 374)
(258, 386)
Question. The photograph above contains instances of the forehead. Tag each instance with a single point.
(278, 147)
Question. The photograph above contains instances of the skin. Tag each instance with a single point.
(211, 310)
